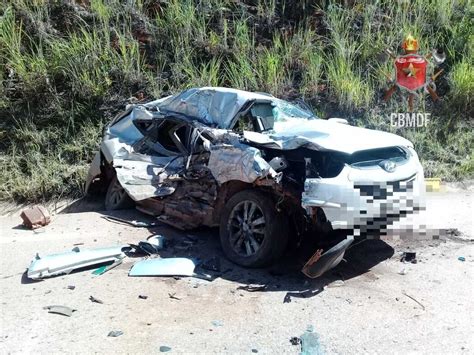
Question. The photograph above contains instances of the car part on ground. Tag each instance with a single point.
(133, 223)
(35, 217)
(64, 263)
(105, 268)
(320, 262)
(163, 267)
(62, 310)
(183, 159)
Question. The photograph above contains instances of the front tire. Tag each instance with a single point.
(252, 232)
(116, 197)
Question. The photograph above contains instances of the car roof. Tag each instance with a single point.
(215, 106)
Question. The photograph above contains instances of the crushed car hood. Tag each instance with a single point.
(321, 134)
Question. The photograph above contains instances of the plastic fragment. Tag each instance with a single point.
(115, 333)
(96, 300)
(62, 310)
(217, 323)
(310, 344)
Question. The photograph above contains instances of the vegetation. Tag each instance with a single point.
(68, 66)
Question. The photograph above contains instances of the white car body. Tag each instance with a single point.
(356, 195)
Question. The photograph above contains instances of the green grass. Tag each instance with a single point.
(67, 70)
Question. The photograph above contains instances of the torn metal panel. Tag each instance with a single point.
(163, 267)
(318, 134)
(238, 162)
(152, 177)
(319, 263)
(191, 205)
(210, 105)
(64, 263)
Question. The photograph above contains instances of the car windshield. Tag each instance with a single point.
(283, 111)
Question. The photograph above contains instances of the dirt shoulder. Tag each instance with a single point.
(382, 305)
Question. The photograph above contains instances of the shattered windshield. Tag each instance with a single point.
(283, 111)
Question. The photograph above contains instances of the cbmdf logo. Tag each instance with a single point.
(411, 72)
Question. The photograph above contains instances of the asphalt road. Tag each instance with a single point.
(371, 303)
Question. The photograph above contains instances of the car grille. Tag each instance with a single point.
(380, 191)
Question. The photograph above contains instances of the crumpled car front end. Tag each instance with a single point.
(368, 196)
(261, 169)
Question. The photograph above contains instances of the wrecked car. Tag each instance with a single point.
(264, 170)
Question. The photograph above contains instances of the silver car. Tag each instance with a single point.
(261, 169)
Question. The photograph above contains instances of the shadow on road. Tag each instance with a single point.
(203, 244)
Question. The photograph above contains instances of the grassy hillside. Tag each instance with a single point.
(68, 66)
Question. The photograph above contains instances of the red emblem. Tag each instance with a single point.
(411, 71)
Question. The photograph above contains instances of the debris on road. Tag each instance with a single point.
(164, 349)
(142, 297)
(337, 283)
(212, 264)
(310, 344)
(409, 257)
(414, 299)
(133, 223)
(62, 310)
(96, 300)
(402, 272)
(35, 217)
(217, 323)
(287, 298)
(71, 287)
(461, 258)
(163, 267)
(151, 246)
(64, 263)
(252, 288)
(103, 269)
(295, 341)
(115, 333)
(321, 262)
(172, 296)
(185, 245)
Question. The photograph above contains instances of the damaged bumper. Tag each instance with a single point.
(64, 263)
(350, 201)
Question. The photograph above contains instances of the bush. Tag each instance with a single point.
(68, 67)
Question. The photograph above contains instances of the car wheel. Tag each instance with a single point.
(116, 197)
(253, 233)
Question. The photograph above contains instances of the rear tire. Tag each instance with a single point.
(116, 197)
(252, 232)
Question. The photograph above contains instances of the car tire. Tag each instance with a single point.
(254, 238)
(116, 197)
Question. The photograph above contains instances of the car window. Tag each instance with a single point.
(263, 116)
(171, 138)
(285, 111)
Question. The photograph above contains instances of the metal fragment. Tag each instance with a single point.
(62, 310)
